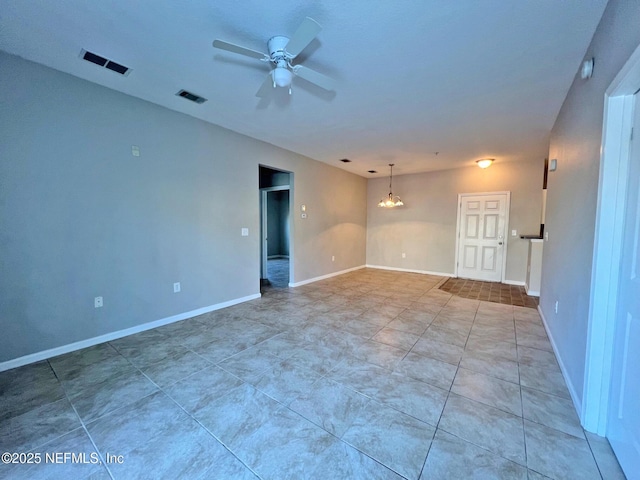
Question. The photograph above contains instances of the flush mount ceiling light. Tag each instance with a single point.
(586, 72)
(391, 201)
(484, 162)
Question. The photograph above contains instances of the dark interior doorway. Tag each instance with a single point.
(275, 247)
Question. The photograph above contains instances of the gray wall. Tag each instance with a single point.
(425, 228)
(573, 189)
(336, 207)
(82, 217)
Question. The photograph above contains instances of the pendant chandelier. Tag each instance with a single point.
(391, 201)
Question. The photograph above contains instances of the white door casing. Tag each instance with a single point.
(264, 240)
(481, 244)
(263, 234)
(623, 428)
(600, 364)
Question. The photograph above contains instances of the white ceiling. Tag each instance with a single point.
(465, 78)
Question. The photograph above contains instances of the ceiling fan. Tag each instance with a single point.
(282, 50)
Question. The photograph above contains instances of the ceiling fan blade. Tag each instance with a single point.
(230, 47)
(266, 86)
(314, 77)
(306, 32)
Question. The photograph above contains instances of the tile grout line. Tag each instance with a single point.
(448, 392)
(30, 450)
(480, 446)
(160, 389)
(342, 302)
(524, 431)
(283, 405)
(82, 424)
(593, 454)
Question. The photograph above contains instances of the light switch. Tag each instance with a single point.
(303, 208)
(135, 150)
(245, 232)
(514, 233)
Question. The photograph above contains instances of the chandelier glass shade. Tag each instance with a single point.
(391, 200)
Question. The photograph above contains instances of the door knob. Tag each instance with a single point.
(499, 243)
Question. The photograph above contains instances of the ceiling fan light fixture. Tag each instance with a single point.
(282, 76)
(282, 50)
(484, 162)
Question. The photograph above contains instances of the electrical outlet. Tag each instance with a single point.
(556, 307)
(404, 255)
(514, 233)
(176, 287)
(244, 232)
(97, 302)
(546, 236)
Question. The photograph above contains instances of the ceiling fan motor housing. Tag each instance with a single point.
(281, 75)
(277, 46)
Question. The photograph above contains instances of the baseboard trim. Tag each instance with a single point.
(107, 337)
(572, 391)
(531, 293)
(323, 277)
(514, 282)
(409, 270)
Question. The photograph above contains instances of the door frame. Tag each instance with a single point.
(263, 227)
(607, 250)
(506, 229)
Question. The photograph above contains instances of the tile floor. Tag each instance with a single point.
(278, 272)
(489, 292)
(372, 374)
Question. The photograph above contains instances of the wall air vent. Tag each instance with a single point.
(104, 62)
(191, 96)
(345, 160)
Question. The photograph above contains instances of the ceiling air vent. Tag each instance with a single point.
(104, 62)
(345, 160)
(191, 96)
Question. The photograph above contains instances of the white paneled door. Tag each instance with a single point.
(482, 221)
(623, 428)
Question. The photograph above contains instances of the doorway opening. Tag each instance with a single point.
(275, 228)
